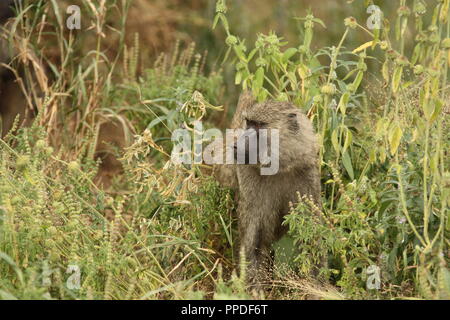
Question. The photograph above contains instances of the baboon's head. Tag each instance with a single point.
(297, 143)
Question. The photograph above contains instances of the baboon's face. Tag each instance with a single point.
(248, 137)
(289, 135)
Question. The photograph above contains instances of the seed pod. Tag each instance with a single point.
(328, 89)
(22, 162)
(350, 22)
(48, 151)
(231, 40)
(40, 145)
(74, 167)
(418, 69)
(384, 45)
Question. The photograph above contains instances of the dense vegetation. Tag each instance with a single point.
(161, 231)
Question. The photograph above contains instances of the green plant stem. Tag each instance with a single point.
(403, 203)
(426, 212)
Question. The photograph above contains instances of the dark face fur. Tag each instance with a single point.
(253, 129)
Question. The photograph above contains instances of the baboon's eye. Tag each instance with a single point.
(255, 124)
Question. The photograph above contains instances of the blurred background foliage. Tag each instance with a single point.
(248, 19)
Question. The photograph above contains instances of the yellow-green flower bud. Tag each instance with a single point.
(22, 162)
(418, 69)
(350, 22)
(73, 166)
(328, 89)
(41, 144)
(48, 151)
(231, 40)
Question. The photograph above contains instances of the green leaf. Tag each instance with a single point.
(334, 140)
(351, 73)
(437, 109)
(395, 137)
(224, 22)
(416, 53)
(56, 11)
(348, 165)
(344, 102)
(239, 53)
(428, 109)
(156, 121)
(348, 140)
(259, 80)
(317, 20)
(303, 71)
(289, 53)
(358, 80)
(372, 155)
(308, 38)
(444, 283)
(238, 78)
(216, 20)
(385, 71)
(398, 72)
(252, 54)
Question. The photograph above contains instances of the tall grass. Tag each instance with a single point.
(163, 231)
(62, 236)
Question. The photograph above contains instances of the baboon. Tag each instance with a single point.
(264, 199)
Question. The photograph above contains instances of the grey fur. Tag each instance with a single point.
(264, 200)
